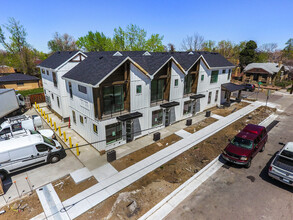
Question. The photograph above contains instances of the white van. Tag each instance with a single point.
(23, 152)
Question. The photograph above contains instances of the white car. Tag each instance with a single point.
(282, 166)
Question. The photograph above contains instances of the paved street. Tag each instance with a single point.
(238, 193)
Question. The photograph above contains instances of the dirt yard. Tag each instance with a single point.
(32, 207)
(66, 187)
(228, 110)
(200, 125)
(143, 153)
(136, 199)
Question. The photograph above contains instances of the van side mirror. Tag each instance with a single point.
(281, 143)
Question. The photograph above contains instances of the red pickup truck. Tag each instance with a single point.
(245, 145)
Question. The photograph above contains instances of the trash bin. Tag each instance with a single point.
(208, 113)
(188, 122)
(157, 136)
(111, 156)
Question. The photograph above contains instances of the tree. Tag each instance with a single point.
(193, 43)
(288, 50)
(63, 42)
(19, 53)
(248, 54)
(135, 38)
(154, 43)
(119, 39)
(209, 46)
(95, 42)
(171, 47)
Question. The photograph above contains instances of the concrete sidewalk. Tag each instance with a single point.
(92, 196)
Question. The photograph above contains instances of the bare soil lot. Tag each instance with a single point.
(200, 125)
(228, 110)
(136, 199)
(32, 208)
(66, 187)
(143, 153)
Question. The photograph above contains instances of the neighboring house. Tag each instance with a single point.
(265, 72)
(19, 81)
(52, 69)
(6, 70)
(116, 97)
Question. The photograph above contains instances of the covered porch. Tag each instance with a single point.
(227, 89)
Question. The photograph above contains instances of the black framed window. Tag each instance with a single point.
(52, 96)
(58, 102)
(210, 98)
(20, 83)
(82, 89)
(95, 128)
(217, 94)
(157, 117)
(157, 90)
(188, 81)
(81, 119)
(113, 132)
(138, 89)
(70, 89)
(176, 82)
(214, 76)
(54, 79)
(113, 98)
(74, 117)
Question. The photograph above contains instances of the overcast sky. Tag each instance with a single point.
(264, 21)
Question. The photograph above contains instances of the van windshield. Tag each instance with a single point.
(244, 143)
(49, 141)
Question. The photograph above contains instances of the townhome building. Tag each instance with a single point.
(116, 97)
(52, 69)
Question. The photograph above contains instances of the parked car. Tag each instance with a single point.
(281, 167)
(28, 151)
(245, 145)
(249, 87)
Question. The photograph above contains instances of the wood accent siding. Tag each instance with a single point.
(195, 70)
(257, 70)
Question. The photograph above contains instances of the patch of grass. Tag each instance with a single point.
(30, 91)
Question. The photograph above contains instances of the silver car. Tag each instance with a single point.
(282, 166)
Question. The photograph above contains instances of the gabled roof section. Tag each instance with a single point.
(17, 77)
(215, 60)
(57, 59)
(271, 68)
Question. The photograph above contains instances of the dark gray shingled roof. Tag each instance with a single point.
(98, 64)
(57, 58)
(17, 77)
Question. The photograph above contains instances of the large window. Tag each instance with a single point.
(70, 89)
(187, 107)
(210, 98)
(113, 132)
(157, 118)
(74, 117)
(229, 73)
(217, 94)
(54, 79)
(214, 76)
(113, 99)
(58, 102)
(157, 90)
(95, 128)
(188, 81)
(82, 89)
(81, 119)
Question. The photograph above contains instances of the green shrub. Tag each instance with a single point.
(283, 84)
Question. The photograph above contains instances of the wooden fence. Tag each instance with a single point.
(38, 98)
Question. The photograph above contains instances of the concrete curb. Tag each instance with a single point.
(163, 208)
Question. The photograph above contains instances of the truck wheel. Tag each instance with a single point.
(263, 148)
(22, 110)
(54, 158)
(248, 164)
(3, 175)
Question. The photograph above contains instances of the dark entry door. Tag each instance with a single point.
(167, 117)
(129, 132)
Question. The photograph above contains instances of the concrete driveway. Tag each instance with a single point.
(37, 176)
(238, 193)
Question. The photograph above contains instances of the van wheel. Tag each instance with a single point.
(22, 110)
(263, 148)
(248, 164)
(54, 158)
(3, 175)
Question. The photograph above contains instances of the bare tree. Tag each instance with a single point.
(171, 47)
(63, 42)
(193, 43)
(269, 47)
